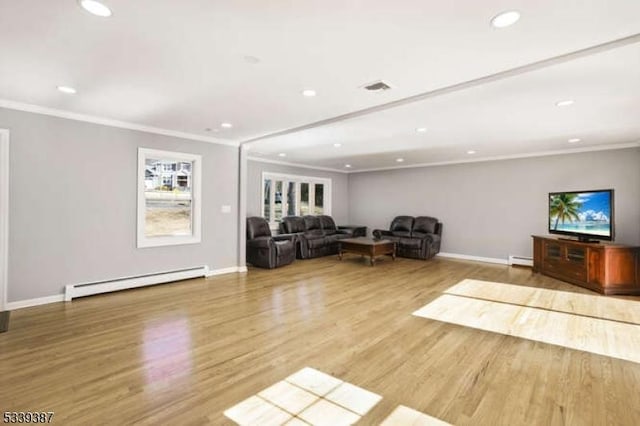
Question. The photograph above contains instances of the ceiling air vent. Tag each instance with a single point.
(377, 86)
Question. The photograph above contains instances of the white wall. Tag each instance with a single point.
(339, 187)
(491, 209)
(73, 205)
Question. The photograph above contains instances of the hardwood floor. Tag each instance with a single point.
(184, 353)
(575, 321)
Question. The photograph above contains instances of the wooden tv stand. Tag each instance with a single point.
(603, 267)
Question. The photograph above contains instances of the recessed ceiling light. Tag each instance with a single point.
(67, 89)
(564, 103)
(399, 160)
(471, 152)
(226, 125)
(282, 154)
(421, 129)
(337, 145)
(348, 166)
(95, 7)
(505, 19)
(574, 140)
(308, 93)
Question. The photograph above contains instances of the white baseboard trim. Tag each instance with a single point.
(12, 306)
(474, 258)
(223, 271)
(125, 283)
(520, 260)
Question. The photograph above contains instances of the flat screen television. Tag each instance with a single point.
(587, 215)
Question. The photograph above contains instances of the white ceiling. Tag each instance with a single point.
(181, 66)
(514, 116)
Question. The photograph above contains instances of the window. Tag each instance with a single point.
(183, 181)
(266, 199)
(169, 188)
(319, 199)
(291, 195)
(304, 198)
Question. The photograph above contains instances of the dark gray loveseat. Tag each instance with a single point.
(417, 238)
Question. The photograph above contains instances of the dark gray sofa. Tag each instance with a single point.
(317, 235)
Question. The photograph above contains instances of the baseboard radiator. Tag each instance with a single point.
(520, 260)
(87, 289)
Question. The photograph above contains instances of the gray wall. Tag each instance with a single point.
(73, 201)
(339, 187)
(490, 209)
(73, 205)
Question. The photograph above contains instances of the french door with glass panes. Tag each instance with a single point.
(288, 195)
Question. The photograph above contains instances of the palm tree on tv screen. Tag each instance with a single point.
(565, 207)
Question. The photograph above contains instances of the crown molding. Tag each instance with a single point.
(304, 166)
(454, 162)
(505, 157)
(36, 109)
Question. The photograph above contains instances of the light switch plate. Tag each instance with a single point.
(225, 209)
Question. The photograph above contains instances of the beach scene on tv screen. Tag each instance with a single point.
(583, 212)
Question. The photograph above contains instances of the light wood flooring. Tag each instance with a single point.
(184, 353)
(590, 323)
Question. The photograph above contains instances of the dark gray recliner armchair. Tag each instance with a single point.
(417, 238)
(265, 250)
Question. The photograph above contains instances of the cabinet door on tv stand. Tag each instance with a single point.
(553, 251)
(595, 271)
(622, 267)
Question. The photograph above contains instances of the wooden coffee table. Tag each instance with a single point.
(367, 247)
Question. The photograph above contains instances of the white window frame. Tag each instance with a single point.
(196, 199)
(297, 179)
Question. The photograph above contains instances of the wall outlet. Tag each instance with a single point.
(225, 209)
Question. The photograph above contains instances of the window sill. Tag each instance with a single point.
(167, 241)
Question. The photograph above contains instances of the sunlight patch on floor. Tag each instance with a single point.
(592, 305)
(404, 416)
(306, 397)
(548, 316)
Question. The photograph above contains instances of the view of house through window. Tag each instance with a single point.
(291, 195)
(167, 198)
(167, 193)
